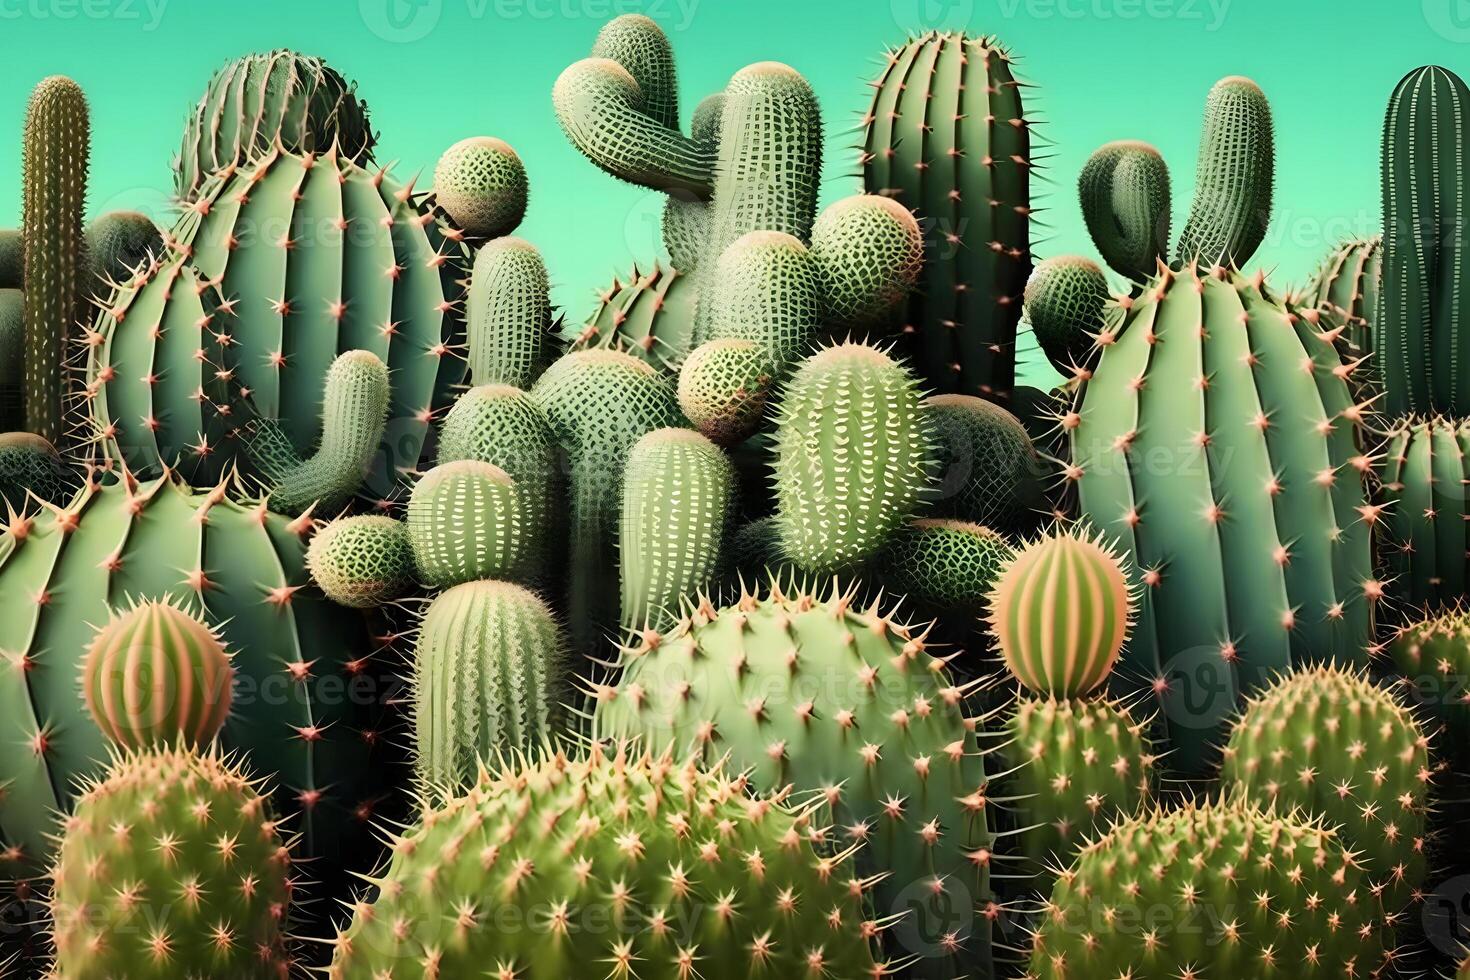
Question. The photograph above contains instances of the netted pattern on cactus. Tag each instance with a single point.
(172, 866)
(986, 466)
(948, 564)
(765, 289)
(155, 675)
(262, 101)
(1060, 611)
(753, 554)
(638, 44)
(465, 522)
(946, 135)
(30, 466)
(1124, 188)
(845, 704)
(1346, 285)
(723, 389)
(1426, 480)
(361, 561)
(651, 316)
(481, 184)
(1216, 442)
(1233, 872)
(633, 844)
(508, 314)
(852, 456)
(869, 253)
(490, 678)
(118, 245)
(1432, 659)
(237, 565)
(1234, 179)
(1336, 745)
(1066, 302)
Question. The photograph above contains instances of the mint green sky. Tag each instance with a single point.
(435, 71)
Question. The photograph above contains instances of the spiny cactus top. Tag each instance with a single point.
(1432, 659)
(649, 315)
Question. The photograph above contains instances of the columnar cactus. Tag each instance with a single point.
(1234, 179)
(490, 681)
(947, 564)
(1432, 659)
(172, 866)
(650, 316)
(481, 184)
(363, 561)
(1209, 890)
(1124, 188)
(987, 469)
(54, 157)
(156, 675)
(263, 101)
(466, 522)
(1347, 285)
(616, 863)
(1425, 489)
(947, 136)
(508, 314)
(845, 704)
(1334, 744)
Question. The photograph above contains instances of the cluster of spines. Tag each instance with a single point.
(1347, 286)
(650, 315)
(1424, 511)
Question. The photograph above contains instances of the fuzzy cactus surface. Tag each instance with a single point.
(481, 184)
(724, 387)
(362, 561)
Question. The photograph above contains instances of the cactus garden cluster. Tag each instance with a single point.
(361, 614)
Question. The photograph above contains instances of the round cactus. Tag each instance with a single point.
(119, 244)
(1334, 744)
(466, 522)
(12, 359)
(650, 316)
(948, 564)
(1209, 891)
(766, 289)
(29, 465)
(157, 675)
(508, 314)
(1432, 659)
(869, 253)
(172, 866)
(1060, 611)
(490, 680)
(1066, 301)
(986, 465)
(619, 864)
(852, 456)
(481, 184)
(362, 561)
(723, 389)
(754, 553)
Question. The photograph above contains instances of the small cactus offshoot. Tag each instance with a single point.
(481, 184)
(362, 561)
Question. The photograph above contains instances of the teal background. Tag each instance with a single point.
(435, 71)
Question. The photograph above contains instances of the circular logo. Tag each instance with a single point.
(1450, 19)
(932, 15)
(931, 923)
(400, 21)
(1199, 689)
(1447, 916)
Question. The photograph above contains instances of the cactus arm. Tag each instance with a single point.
(508, 314)
(642, 48)
(686, 216)
(1234, 180)
(1124, 188)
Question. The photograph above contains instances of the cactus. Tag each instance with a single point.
(12, 259)
(1235, 177)
(481, 184)
(1060, 611)
(55, 149)
(118, 245)
(156, 675)
(766, 288)
(12, 359)
(754, 556)
(1066, 300)
(1124, 188)
(363, 561)
(1426, 245)
(31, 466)
(354, 403)
(172, 866)
(261, 102)
(852, 456)
(723, 389)
(847, 705)
(1208, 889)
(466, 522)
(1346, 285)
(1425, 511)
(947, 136)
(1333, 744)
(651, 316)
(1239, 492)
(237, 565)
(988, 469)
(616, 864)
(869, 253)
(948, 564)
(490, 678)
(508, 314)
(678, 490)
(293, 260)
(1432, 659)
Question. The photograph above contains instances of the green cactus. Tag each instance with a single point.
(1066, 302)
(848, 706)
(852, 456)
(29, 465)
(1347, 285)
(988, 469)
(724, 386)
(55, 150)
(466, 522)
(1425, 511)
(481, 184)
(118, 245)
(869, 254)
(678, 491)
(12, 359)
(12, 259)
(614, 864)
(651, 316)
(362, 561)
(947, 136)
(753, 555)
(508, 314)
(1234, 179)
(1208, 891)
(1432, 659)
(156, 675)
(1333, 744)
(766, 288)
(172, 866)
(490, 681)
(354, 403)
(1125, 195)
(947, 564)
(262, 102)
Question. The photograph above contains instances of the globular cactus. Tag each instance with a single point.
(651, 316)
(12, 359)
(765, 288)
(1432, 660)
(354, 402)
(55, 148)
(31, 467)
(1334, 744)
(490, 682)
(1234, 179)
(481, 184)
(172, 866)
(1426, 246)
(1425, 509)
(724, 386)
(263, 101)
(987, 468)
(1066, 301)
(869, 254)
(118, 245)
(1060, 611)
(615, 863)
(1124, 189)
(466, 522)
(947, 564)
(845, 704)
(508, 314)
(12, 259)
(156, 675)
(678, 492)
(947, 135)
(852, 455)
(1209, 889)
(753, 554)
(362, 561)
(1347, 285)
(1217, 442)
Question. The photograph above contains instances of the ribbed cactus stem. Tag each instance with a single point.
(1124, 189)
(1235, 177)
(508, 314)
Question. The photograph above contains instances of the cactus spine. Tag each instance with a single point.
(1425, 511)
(119, 244)
(1347, 285)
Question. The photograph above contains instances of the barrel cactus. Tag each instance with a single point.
(118, 245)
(724, 386)
(465, 522)
(1347, 286)
(986, 466)
(1425, 475)
(946, 564)
(1432, 660)
(1066, 299)
(362, 561)
(481, 184)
